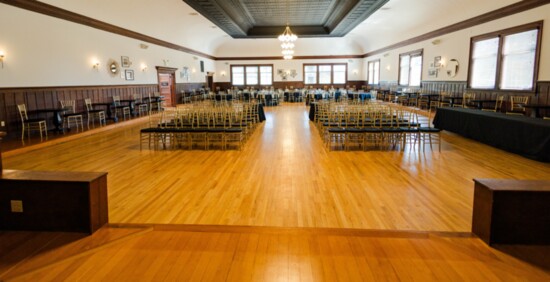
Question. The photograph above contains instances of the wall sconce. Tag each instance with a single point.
(2, 55)
(95, 65)
(388, 67)
(193, 70)
(355, 72)
(143, 67)
(223, 73)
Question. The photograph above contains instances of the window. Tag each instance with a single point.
(237, 75)
(325, 74)
(505, 59)
(252, 75)
(339, 74)
(266, 75)
(410, 68)
(374, 72)
(310, 74)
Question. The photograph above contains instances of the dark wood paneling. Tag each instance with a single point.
(543, 96)
(186, 88)
(511, 211)
(299, 84)
(54, 201)
(515, 8)
(48, 97)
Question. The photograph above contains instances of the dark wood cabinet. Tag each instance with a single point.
(53, 201)
(512, 211)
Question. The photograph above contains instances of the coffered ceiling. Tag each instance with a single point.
(267, 19)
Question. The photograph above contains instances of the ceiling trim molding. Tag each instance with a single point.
(481, 19)
(295, 58)
(56, 12)
(49, 10)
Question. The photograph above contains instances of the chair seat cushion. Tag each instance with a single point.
(337, 130)
(429, 129)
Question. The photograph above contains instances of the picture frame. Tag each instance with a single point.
(129, 74)
(432, 72)
(437, 61)
(185, 74)
(125, 62)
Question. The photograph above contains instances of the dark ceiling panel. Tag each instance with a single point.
(267, 19)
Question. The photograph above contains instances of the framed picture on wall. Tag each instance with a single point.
(129, 74)
(125, 62)
(202, 66)
(437, 61)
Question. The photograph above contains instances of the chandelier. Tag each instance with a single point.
(287, 40)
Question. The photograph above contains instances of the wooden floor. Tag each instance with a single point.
(199, 253)
(285, 178)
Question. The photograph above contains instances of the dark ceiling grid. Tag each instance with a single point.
(267, 19)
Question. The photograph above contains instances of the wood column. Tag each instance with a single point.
(2, 134)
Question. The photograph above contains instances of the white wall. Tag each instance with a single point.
(355, 67)
(456, 45)
(272, 47)
(45, 51)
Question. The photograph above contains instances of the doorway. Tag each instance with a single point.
(167, 85)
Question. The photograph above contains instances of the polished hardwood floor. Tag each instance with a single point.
(285, 178)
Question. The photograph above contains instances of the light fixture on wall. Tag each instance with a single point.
(143, 67)
(287, 39)
(2, 55)
(223, 73)
(95, 64)
(355, 72)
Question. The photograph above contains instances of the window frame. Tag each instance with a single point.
(259, 84)
(373, 62)
(500, 34)
(331, 73)
(411, 54)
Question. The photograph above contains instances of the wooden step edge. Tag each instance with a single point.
(386, 233)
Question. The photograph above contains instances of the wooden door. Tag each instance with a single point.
(210, 82)
(167, 85)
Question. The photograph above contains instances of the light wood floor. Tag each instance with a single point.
(285, 178)
(198, 253)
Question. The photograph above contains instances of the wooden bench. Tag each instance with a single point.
(512, 211)
(53, 201)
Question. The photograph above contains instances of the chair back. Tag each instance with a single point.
(467, 98)
(88, 103)
(498, 104)
(68, 105)
(137, 97)
(116, 101)
(517, 103)
(22, 112)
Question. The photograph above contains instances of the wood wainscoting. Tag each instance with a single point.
(49, 97)
(187, 88)
(298, 84)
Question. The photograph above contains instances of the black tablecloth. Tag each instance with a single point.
(261, 113)
(312, 111)
(526, 136)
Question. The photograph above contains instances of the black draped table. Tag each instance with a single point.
(261, 113)
(525, 136)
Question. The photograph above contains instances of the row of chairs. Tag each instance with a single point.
(374, 125)
(201, 126)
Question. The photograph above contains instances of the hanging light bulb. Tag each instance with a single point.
(287, 39)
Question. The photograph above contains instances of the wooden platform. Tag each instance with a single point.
(285, 178)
